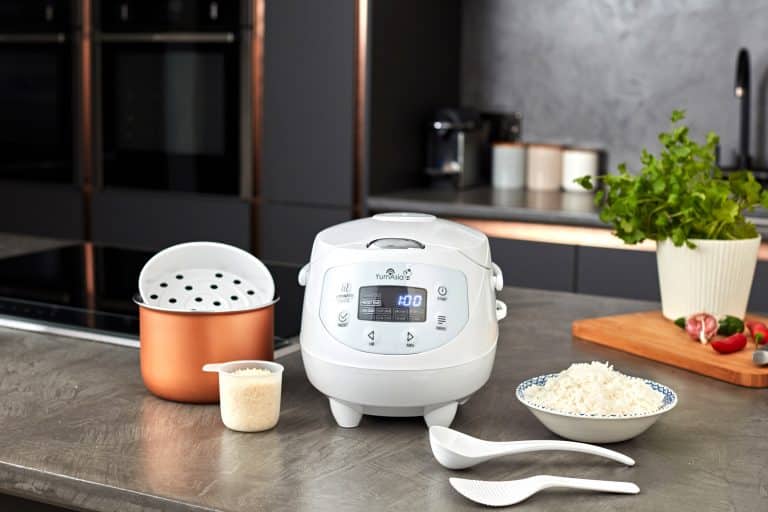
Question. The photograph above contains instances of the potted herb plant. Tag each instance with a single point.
(706, 249)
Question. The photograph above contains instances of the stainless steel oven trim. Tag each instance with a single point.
(85, 111)
(246, 169)
(58, 38)
(255, 18)
(97, 164)
(168, 37)
(362, 92)
(78, 103)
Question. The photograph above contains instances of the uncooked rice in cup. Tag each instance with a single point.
(250, 399)
(251, 372)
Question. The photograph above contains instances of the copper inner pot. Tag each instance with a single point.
(176, 344)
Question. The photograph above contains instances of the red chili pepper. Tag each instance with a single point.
(701, 327)
(730, 344)
(760, 334)
(752, 324)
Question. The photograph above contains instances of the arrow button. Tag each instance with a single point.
(371, 335)
(409, 338)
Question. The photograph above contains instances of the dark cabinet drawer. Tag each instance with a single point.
(535, 264)
(617, 273)
(153, 220)
(44, 210)
(286, 232)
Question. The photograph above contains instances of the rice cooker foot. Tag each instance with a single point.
(441, 414)
(346, 415)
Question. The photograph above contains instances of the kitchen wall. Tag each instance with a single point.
(609, 72)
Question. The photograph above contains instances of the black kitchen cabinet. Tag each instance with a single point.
(287, 231)
(8, 502)
(307, 172)
(288, 308)
(617, 273)
(592, 270)
(307, 157)
(42, 209)
(414, 68)
(309, 102)
(534, 264)
(758, 299)
(154, 220)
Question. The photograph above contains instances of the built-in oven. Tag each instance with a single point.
(42, 54)
(173, 95)
(39, 50)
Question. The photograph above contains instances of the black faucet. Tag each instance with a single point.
(742, 91)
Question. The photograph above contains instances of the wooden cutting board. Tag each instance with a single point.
(652, 336)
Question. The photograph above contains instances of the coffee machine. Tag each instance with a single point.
(457, 145)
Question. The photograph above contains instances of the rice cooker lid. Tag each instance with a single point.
(420, 228)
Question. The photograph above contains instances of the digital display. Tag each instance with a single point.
(392, 304)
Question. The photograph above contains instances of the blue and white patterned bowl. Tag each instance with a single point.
(589, 428)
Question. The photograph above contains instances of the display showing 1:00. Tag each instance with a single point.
(409, 300)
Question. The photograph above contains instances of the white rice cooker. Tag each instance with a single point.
(400, 316)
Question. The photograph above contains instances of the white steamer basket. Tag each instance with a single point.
(205, 276)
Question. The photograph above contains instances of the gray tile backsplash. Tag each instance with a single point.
(609, 72)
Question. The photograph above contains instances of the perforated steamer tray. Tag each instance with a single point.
(205, 276)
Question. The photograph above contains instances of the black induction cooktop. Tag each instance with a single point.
(80, 290)
(82, 287)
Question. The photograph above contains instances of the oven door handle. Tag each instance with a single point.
(58, 37)
(168, 37)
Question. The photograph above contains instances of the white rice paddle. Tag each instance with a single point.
(456, 450)
(502, 494)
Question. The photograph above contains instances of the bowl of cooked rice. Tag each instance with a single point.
(593, 403)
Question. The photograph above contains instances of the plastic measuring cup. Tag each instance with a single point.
(249, 402)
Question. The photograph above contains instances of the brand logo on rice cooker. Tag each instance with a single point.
(391, 275)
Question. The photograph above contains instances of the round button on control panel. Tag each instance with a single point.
(343, 318)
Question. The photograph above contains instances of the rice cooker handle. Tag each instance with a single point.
(501, 310)
(498, 277)
(303, 273)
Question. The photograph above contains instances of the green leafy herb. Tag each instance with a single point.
(730, 325)
(679, 194)
(680, 322)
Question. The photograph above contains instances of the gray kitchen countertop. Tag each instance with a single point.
(79, 430)
(567, 208)
(574, 208)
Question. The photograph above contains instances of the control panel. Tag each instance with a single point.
(394, 308)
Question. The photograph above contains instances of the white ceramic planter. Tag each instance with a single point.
(715, 277)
